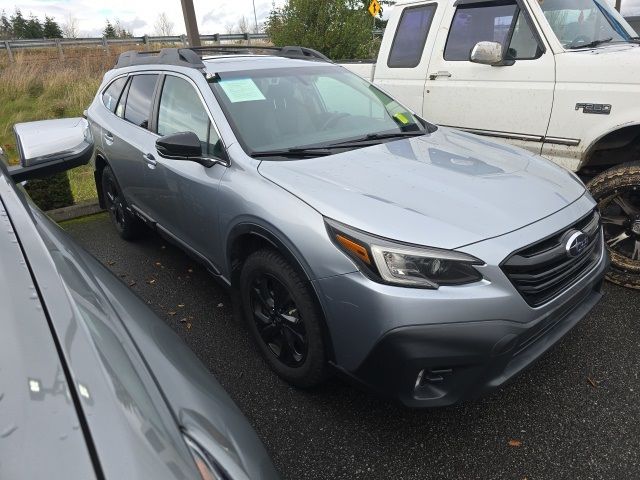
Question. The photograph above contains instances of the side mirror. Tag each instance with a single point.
(50, 146)
(488, 53)
(183, 146)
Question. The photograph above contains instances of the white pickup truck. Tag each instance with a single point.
(560, 78)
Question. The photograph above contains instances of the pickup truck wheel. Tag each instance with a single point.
(278, 307)
(617, 192)
(127, 225)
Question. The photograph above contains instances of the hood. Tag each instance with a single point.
(617, 64)
(446, 189)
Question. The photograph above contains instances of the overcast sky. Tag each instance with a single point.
(140, 16)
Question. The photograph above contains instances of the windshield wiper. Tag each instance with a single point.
(328, 149)
(595, 43)
(294, 152)
(373, 137)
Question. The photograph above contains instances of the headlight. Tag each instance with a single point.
(406, 265)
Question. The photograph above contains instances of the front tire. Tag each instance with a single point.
(127, 225)
(617, 192)
(278, 306)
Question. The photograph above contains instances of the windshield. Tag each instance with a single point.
(579, 23)
(289, 108)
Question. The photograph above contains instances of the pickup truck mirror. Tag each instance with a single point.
(487, 53)
(50, 146)
(184, 146)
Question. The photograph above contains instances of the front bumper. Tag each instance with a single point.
(438, 365)
(438, 347)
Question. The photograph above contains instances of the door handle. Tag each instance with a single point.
(150, 159)
(108, 137)
(441, 73)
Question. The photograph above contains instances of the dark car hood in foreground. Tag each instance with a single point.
(446, 189)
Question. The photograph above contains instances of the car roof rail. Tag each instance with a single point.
(192, 57)
(181, 57)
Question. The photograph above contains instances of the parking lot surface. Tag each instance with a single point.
(574, 414)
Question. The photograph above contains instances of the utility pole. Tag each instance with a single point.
(618, 5)
(255, 17)
(191, 23)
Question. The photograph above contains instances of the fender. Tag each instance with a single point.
(590, 148)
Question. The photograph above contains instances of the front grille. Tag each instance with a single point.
(543, 270)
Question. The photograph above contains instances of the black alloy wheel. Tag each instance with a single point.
(128, 226)
(282, 314)
(278, 320)
(617, 192)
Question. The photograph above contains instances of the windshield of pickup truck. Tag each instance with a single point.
(584, 23)
(278, 110)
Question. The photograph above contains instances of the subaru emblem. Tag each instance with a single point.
(576, 243)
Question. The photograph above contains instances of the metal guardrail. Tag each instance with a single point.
(11, 45)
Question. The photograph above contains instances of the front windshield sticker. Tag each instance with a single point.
(241, 90)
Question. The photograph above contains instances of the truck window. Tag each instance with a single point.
(411, 36)
(492, 22)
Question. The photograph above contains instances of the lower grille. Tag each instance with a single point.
(543, 270)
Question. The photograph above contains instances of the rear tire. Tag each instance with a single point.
(278, 306)
(128, 226)
(617, 192)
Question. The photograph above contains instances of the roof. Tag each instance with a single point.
(193, 57)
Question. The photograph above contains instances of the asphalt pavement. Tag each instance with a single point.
(575, 414)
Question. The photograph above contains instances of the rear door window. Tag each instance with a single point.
(411, 36)
(139, 98)
(112, 93)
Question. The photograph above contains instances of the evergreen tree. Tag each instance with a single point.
(5, 27)
(34, 28)
(18, 24)
(109, 30)
(50, 28)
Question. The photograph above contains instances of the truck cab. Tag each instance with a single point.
(556, 77)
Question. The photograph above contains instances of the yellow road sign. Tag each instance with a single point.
(374, 8)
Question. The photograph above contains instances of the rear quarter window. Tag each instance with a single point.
(112, 93)
(138, 107)
(411, 36)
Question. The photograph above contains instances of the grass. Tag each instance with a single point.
(34, 88)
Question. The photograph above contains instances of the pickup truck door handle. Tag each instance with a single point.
(433, 76)
(108, 136)
(150, 159)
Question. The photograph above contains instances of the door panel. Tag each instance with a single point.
(408, 51)
(183, 194)
(512, 100)
(125, 137)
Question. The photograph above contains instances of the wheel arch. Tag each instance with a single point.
(248, 237)
(622, 142)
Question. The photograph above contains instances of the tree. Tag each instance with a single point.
(109, 30)
(33, 28)
(18, 24)
(70, 28)
(338, 28)
(163, 26)
(121, 32)
(5, 27)
(243, 25)
(50, 28)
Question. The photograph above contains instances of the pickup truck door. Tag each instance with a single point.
(512, 101)
(407, 52)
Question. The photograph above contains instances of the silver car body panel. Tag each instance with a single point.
(139, 387)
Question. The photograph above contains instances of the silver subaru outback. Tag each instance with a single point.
(426, 263)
